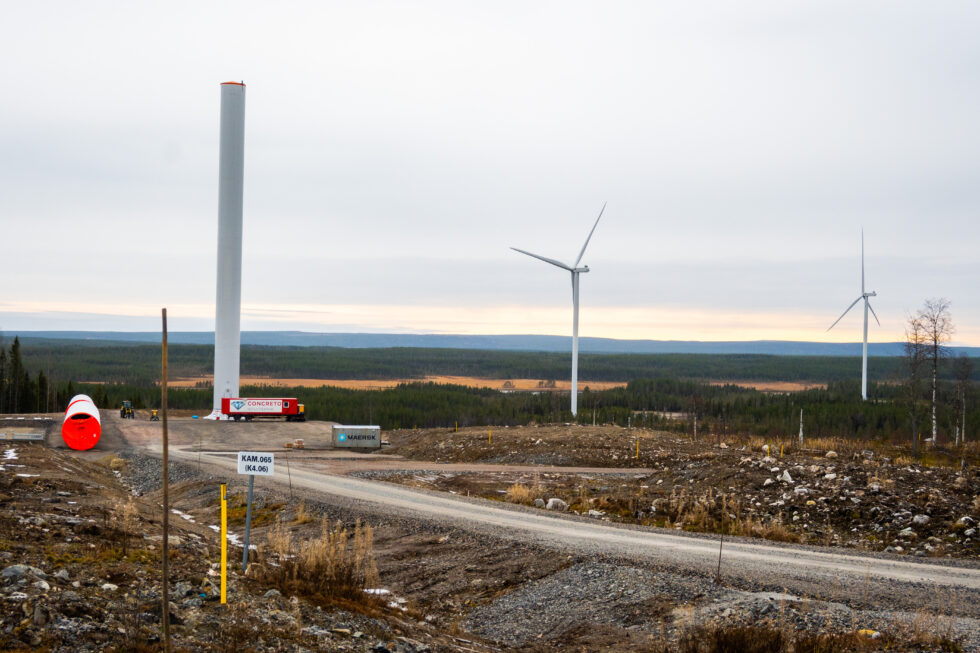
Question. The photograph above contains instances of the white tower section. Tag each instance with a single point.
(228, 306)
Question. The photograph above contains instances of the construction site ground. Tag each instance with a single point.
(87, 527)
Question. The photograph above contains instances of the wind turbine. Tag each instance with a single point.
(575, 271)
(867, 307)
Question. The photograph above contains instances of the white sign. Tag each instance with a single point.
(255, 405)
(256, 462)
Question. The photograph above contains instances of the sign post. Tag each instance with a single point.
(252, 463)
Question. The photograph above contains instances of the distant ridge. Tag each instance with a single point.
(504, 342)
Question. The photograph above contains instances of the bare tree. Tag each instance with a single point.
(962, 370)
(915, 357)
(937, 327)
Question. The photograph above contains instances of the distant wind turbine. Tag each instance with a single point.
(867, 307)
(575, 270)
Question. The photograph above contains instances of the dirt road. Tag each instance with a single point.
(770, 565)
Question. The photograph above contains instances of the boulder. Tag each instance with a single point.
(786, 478)
(16, 572)
(539, 503)
(554, 503)
(830, 454)
(920, 520)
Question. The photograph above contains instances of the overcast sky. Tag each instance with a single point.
(394, 151)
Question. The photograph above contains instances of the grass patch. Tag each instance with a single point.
(337, 566)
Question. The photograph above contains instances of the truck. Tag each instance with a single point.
(247, 409)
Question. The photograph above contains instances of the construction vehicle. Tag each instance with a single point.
(154, 415)
(126, 412)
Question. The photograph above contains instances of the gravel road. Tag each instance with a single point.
(804, 570)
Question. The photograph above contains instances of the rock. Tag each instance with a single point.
(272, 594)
(970, 532)
(596, 513)
(554, 503)
(340, 631)
(109, 587)
(906, 532)
(830, 454)
(786, 478)
(68, 595)
(965, 520)
(960, 483)
(42, 585)
(722, 446)
(830, 477)
(920, 520)
(539, 503)
(16, 572)
(40, 615)
(380, 648)
(874, 488)
(768, 482)
(182, 589)
(62, 574)
(802, 491)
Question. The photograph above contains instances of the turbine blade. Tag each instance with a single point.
(844, 313)
(582, 253)
(873, 313)
(544, 258)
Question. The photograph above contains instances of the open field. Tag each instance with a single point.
(481, 580)
(530, 385)
(527, 385)
(382, 384)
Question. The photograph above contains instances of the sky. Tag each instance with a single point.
(395, 151)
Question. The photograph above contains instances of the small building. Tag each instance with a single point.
(356, 437)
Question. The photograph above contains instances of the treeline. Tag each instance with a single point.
(140, 364)
(673, 405)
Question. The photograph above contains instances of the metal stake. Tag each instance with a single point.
(248, 522)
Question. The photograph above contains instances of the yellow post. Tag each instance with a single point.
(455, 427)
(637, 447)
(780, 451)
(224, 543)
(490, 436)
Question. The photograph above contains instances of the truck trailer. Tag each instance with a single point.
(244, 408)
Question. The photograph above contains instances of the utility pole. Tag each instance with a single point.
(166, 496)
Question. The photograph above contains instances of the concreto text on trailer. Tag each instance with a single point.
(246, 408)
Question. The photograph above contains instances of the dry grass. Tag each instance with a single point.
(523, 494)
(302, 516)
(338, 564)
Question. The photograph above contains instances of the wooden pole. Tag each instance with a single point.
(166, 496)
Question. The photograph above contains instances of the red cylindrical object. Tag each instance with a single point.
(82, 426)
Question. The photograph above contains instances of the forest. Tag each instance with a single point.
(139, 364)
(667, 392)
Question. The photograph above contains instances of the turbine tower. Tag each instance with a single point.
(575, 270)
(867, 307)
(228, 304)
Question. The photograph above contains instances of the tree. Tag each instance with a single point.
(915, 357)
(937, 329)
(962, 371)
